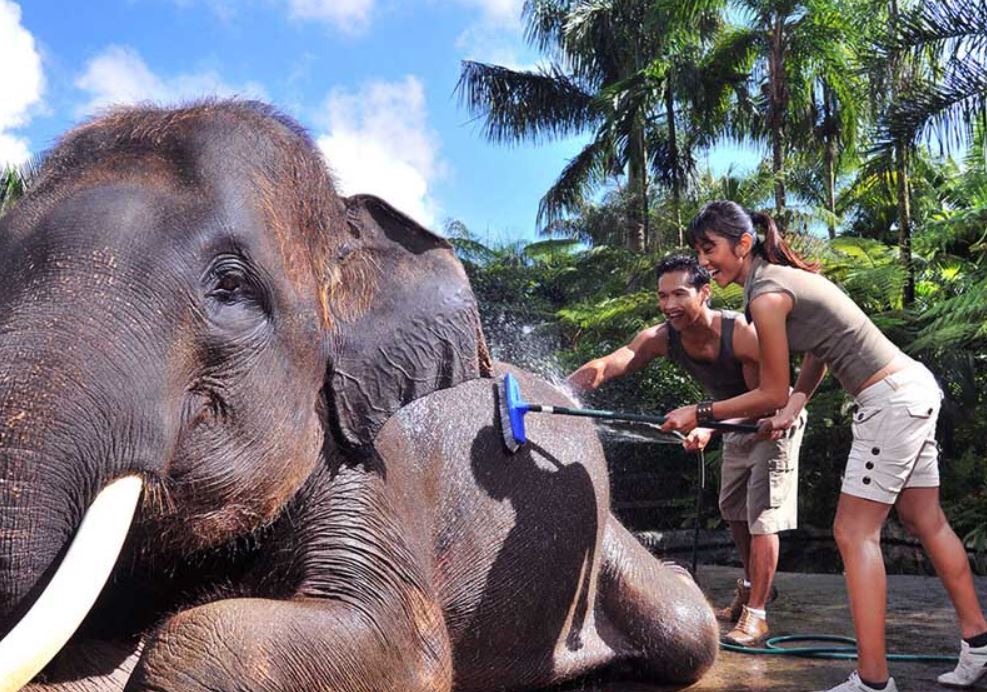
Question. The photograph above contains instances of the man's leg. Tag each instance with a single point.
(763, 559)
(734, 474)
(772, 506)
(741, 534)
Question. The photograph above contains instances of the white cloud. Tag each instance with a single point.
(504, 12)
(119, 75)
(378, 142)
(351, 16)
(496, 36)
(21, 82)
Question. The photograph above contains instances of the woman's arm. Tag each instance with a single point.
(769, 312)
(811, 374)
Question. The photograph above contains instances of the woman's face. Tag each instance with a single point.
(722, 258)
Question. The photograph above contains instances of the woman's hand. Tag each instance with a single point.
(775, 427)
(589, 376)
(682, 419)
(697, 439)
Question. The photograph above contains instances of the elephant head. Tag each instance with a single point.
(185, 299)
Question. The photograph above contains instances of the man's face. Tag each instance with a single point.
(679, 301)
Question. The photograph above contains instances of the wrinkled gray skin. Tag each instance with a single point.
(302, 383)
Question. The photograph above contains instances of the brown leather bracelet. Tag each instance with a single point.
(704, 412)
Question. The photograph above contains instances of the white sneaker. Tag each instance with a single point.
(972, 666)
(854, 684)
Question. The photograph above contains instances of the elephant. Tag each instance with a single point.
(291, 392)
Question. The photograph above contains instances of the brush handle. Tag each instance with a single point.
(636, 417)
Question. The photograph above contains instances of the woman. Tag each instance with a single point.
(894, 458)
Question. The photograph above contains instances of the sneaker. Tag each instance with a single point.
(751, 630)
(972, 667)
(855, 684)
(740, 597)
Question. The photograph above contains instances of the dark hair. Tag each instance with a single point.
(698, 276)
(732, 221)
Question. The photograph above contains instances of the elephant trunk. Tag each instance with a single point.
(69, 427)
(73, 589)
(65, 433)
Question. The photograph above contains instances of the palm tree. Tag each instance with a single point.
(933, 81)
(950, 99)
(14, 182)
(804, 89)
(602, 79)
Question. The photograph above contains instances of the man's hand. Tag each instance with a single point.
(589, 376)
(697, 439)
(682, 419)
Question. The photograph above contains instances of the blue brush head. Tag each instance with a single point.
(516, 408)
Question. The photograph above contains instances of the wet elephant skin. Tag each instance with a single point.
(301, 381)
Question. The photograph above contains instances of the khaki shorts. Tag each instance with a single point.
(759, 480)
(894, 436)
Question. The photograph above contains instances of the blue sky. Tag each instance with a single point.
(372, 80)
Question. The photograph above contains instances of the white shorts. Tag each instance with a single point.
(894, 436)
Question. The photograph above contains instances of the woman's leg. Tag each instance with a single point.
(920, 512)
(857, 530)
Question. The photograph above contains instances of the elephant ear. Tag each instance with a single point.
(404, 320)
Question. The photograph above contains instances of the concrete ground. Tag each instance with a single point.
(920, 620)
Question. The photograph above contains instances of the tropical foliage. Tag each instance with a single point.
(553, 305)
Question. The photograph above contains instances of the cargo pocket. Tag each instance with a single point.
(914, 430)
(921, 411)
(780, 473)
(867, 423)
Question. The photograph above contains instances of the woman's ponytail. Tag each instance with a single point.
(732, 221)
(774, 248)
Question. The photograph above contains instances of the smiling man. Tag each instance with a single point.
(759, 478)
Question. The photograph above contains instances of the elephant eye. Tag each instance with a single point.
(232, 282)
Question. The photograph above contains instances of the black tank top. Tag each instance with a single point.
(723, 378)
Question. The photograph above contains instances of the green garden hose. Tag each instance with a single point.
(849, 651)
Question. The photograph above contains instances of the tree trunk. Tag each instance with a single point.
(674, 155)
(777, 103)
(637, 181)
(829, 155)
(831, 185)
(905, 224)
(903, 185)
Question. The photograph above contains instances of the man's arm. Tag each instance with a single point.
(649, 344)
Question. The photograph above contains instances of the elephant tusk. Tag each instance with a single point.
(60, 609)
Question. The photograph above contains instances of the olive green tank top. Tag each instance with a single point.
(723, 378)
(824, 321)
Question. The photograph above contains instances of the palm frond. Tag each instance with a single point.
(524, 105)
(545, 22)
(587, 168)
(550, 248)
(15, 182)
(956, 321)
(949, 109)
(948, 27)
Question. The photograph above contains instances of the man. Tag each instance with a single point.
(759, 477)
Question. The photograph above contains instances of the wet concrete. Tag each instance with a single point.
(920, 620)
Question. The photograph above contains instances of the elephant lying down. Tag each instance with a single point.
(301, 386)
